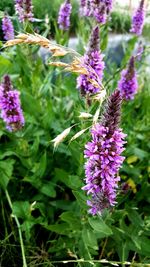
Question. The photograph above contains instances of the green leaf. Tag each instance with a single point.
(71, 218)
(40, 167)
(22, 209)
(62, 228)
(48, 189)
(141, 154)
(6, 169)
(81, 198)
(100, 226)
(89, 238)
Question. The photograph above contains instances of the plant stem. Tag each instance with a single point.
(19, 230)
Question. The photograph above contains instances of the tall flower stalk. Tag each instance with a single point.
(7, 28)
(10, 107)
(94, 59)
(128, 83)
(104, 158)
(138, 19)
(64, 15)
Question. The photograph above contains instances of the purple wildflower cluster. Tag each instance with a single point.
(104, 158)
(128, 84)
(94, 59)
(10, 107)
(24, 9)
(64, 15)
(7, 28)
(138, 19)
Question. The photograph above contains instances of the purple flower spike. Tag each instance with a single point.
(108, 4)
(28, 10)
(24, 10)
(85, 8)
(128, 84)
(140, 51)
(100, 13)
(94, 59)
(64, 15)
(11, 111)
(101, 9)
(138, 20)
(8, 29)
(104, 158)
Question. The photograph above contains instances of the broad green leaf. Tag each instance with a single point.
(48, 189)
(71, 218)
(89, 238)
(62, 228)
(6, 169)
(22, 209)
(81, 198)
(100, 226)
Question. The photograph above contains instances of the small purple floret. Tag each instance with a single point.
(8, 29)
(128, 83)
(64, 15)
(138, 19)
(10, 106)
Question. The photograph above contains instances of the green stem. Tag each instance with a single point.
(19, 230)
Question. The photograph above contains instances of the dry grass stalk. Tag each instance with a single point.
(78, 134)
(95, 118)
(36, 39)
(76, 66)
(84, 115)
(59, 138)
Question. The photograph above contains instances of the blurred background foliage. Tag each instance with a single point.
(45, 185)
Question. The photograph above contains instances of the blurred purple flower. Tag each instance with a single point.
(101, 8)
(140, 51)
(94, 59)
(24, 10)
(128, 84)
(138, 19)
(28, 8)
(11, 111)
(100, 13)
(104, 158)
(7, 28)
(85, 8)
(64, 15)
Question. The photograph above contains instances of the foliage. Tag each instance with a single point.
(45, 185)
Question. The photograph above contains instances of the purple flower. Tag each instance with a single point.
(24, 9)
(101, 9)
(94, 59)
(8, 29)
(140, 51)
(64, 15)
(11, 111)
(19, 9)
(128, 84)
(108, 4)
(100, 13)
(88, 10)
(138, 19)
(104, 158)
(28, 8)
(85, 8)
